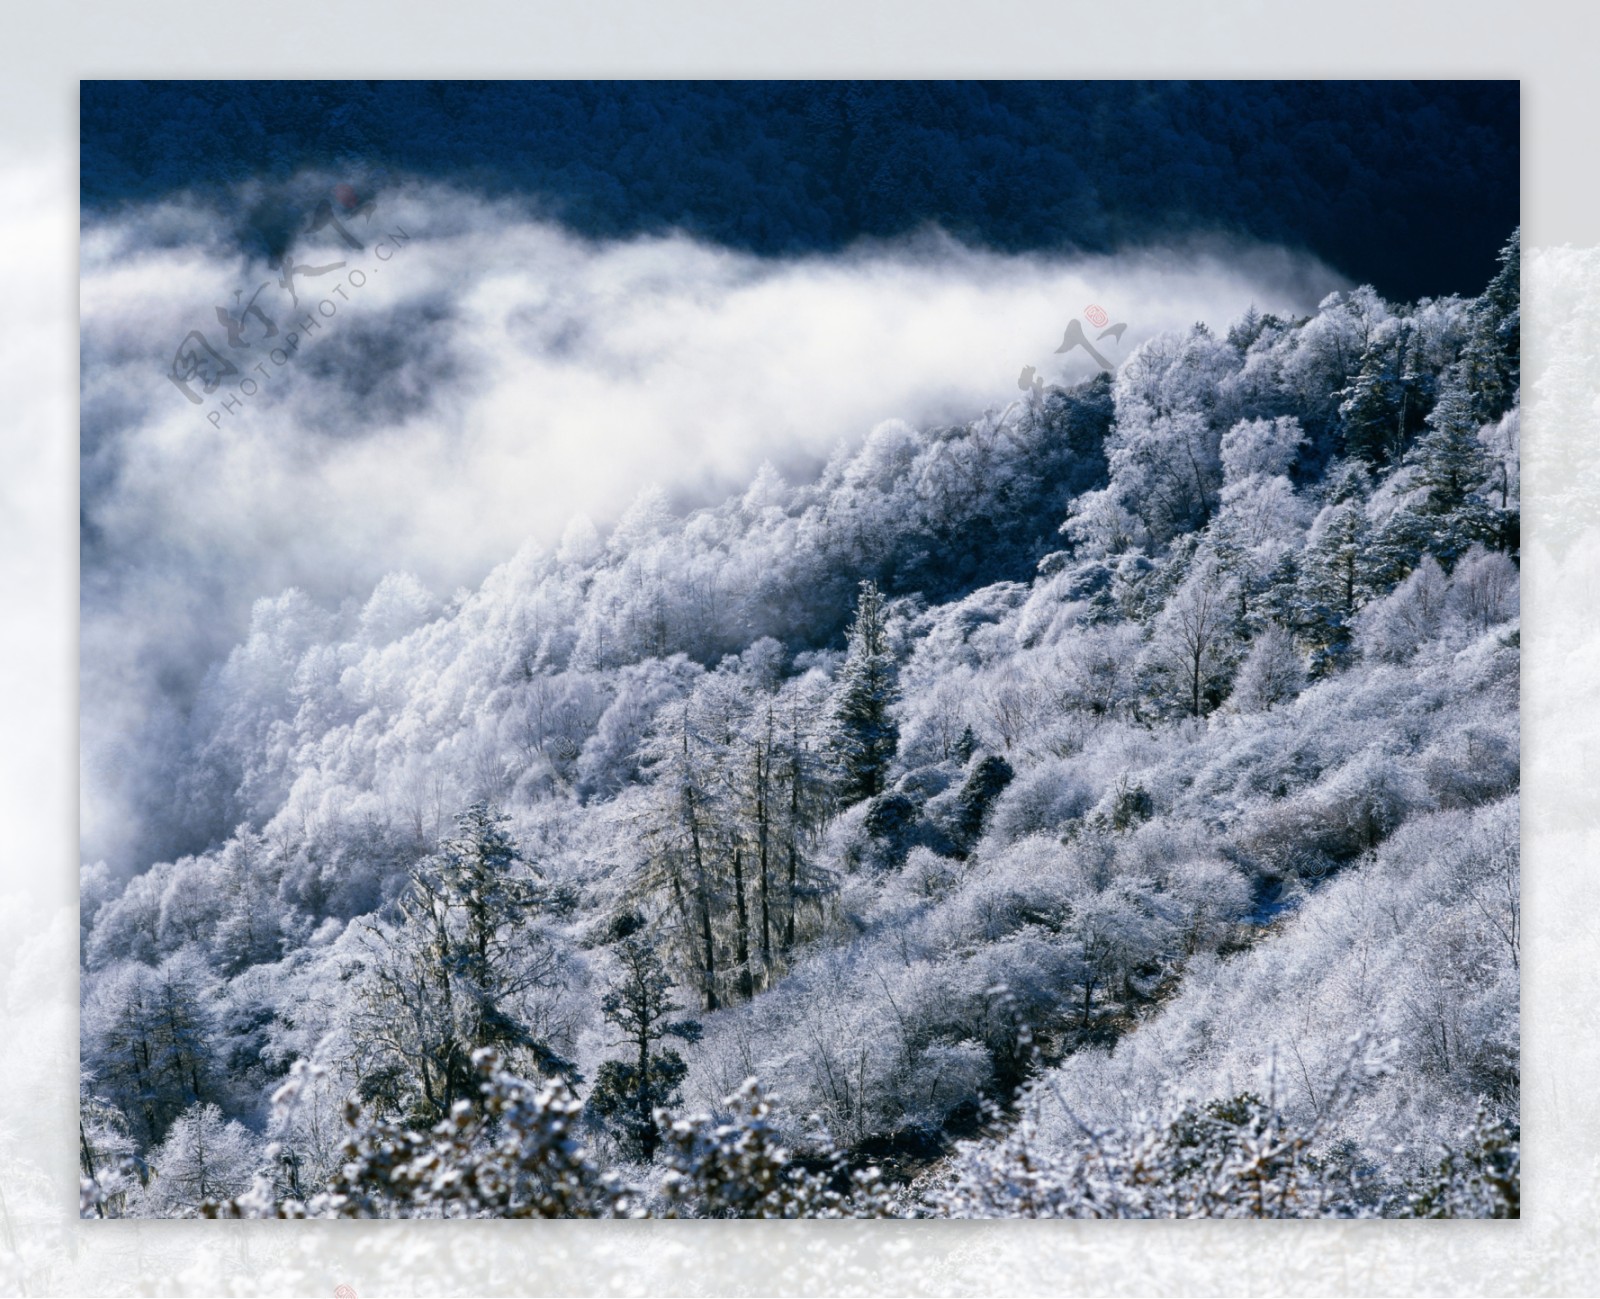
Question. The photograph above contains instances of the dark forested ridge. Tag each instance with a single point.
(1103, 807)
(1357, 173)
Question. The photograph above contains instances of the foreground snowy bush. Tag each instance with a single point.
(516, 1153)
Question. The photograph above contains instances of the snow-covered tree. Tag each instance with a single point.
(204, 1156)
(1272, 673)
(1448, 460)
(865, 734)
(1193, 646)
(1334, 574)
(468, 965)
(638, 1003)
(1492, 359)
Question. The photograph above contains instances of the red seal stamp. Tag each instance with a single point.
(1096, 316)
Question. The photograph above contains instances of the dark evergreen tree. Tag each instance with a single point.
(1384, 405)
(1247, 328)
(989, 776)
(1450, 461)
(1334, 573)
(891, 824)
(1278, 602)
(638, 1001)
(1446, 513)
(1396, 547)
(1131, 805)
(1491, 362)
(864, 733)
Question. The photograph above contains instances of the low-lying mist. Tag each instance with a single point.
(489, 377)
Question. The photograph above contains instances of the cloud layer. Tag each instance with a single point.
(477, 377)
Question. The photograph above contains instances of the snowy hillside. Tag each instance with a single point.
(1134, 769)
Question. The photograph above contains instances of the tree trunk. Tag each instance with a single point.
(708, 944)
(762, 766)
(88, 1157)
(648, 1136)
(710, 951)
(742, 946)
(794, 831)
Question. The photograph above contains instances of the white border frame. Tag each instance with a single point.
(42, 1245)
